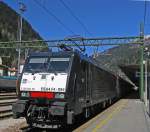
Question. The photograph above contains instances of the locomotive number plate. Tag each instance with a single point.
(52, 89)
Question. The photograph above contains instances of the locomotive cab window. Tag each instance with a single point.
(36, 64)
(58, 64)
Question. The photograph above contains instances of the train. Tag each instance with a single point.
(8, 83)
(56, 87)
(7, 78)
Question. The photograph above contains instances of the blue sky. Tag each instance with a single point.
(103, 18)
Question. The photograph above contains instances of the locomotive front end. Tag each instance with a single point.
(42, 91)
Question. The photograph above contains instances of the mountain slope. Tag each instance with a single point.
(121, 56)
(8, 31)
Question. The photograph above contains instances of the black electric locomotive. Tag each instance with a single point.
(55, 87)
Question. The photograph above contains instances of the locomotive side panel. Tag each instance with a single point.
(103, 85)
(93, 86)
(74, 90)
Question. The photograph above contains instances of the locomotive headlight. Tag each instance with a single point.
(59, 95)
(25, 94)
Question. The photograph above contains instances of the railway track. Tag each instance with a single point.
(6, 101)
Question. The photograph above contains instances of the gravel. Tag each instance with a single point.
(12, 125)
(3, 108)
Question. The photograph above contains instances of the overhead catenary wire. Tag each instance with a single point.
(50, 13)
(75, 17)
(60, 22)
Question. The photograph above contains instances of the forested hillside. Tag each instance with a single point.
(9, 32)
(121, 55)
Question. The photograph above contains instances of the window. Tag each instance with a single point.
(37, 64)
(58, 64)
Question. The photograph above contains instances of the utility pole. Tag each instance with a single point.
(146, 82)
(141, 62)
(147, 54)
(22, 8)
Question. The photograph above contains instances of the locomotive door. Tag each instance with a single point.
(80, 87)
(83, 81)
(88, 82)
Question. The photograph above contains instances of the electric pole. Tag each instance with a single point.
(22, 8)
(141, 62)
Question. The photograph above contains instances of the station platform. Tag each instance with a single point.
(126, 115)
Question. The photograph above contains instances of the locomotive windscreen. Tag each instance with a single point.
(36, 64)
(58, 64)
